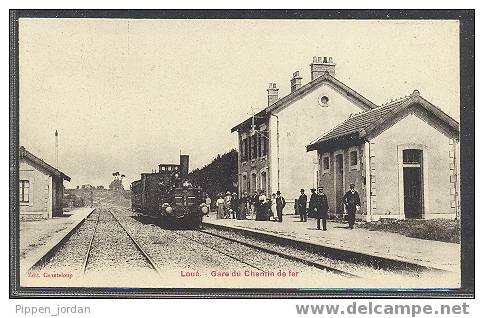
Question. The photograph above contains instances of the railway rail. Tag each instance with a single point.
(138, 247)
(285, 255)
(115, 236)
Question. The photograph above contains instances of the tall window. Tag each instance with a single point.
(354, 160)
(253, 146)
(263, 143)
(244, 149)
(325, 163)
(263, 180)
(24, 191)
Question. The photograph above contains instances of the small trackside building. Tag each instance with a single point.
(403, 158)
(41, 187)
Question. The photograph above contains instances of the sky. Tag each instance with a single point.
(127, 95)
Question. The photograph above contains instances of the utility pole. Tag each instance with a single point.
(56, 149)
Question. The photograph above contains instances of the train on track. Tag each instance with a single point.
(169, 196)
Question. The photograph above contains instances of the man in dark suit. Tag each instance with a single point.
(352, 202)
(321, 208)
(312, 203)
(302, 206)
(280, 204)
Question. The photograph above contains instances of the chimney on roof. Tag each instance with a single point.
(184, 159)
(295, 81)
(272, 94)
(321, 65)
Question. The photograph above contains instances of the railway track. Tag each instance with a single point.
(287, 256)
(112, 238)
(266, 250)
(91, 235)
(88, 256)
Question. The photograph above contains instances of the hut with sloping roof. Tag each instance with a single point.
(41, 187)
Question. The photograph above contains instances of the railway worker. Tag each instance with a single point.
(312, 203)
(302, 203)
(352, 203)
(280, 204)
(220, 206)
(321, 208)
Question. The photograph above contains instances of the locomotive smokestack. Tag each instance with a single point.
(184, 160)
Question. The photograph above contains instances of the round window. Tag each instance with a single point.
(323, 100)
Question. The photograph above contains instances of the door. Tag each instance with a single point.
(339, 184)
(412, 184)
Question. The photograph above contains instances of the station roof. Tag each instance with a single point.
(305, 89)
(36, 161)
(358, 127)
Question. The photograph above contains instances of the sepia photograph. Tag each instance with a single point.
(258, 153)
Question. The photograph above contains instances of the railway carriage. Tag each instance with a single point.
(169, 196)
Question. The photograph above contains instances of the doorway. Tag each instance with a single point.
(413, 184)
(339, 182)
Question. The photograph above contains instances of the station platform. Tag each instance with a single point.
(37, 237)
(431, 254)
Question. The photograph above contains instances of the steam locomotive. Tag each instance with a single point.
(169, 196)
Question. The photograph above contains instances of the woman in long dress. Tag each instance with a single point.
(220, 207)
(273, 214)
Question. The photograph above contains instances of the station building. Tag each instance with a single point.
(41, 187)
(403, 158)
(272, 143)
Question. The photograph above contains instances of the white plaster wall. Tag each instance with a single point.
(40, 204)
(414, 128)
(300, 123)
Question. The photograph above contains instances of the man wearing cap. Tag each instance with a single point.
(302, 206)
(352, 202)
(280, 204)
(321, 208)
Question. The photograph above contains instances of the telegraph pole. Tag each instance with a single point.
(56, 149)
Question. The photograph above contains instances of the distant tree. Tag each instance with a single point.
(117, 183)
(218, 176)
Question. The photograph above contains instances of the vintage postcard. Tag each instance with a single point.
(221, 156)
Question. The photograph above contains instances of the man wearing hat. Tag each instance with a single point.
(321, 208)
(302, 206)
(312, 203)
(280, 204)
(351, 201)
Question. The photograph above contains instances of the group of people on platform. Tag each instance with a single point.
(318, 206)
(264, 208)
